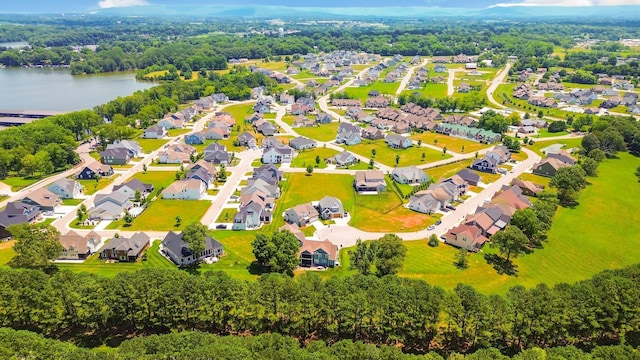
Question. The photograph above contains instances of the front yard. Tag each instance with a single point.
(151, 145)
(92, 186)
(325, 132)
(159, 179)
(161, 215)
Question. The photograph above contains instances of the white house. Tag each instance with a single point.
(66, 188)
(188, 189)
(277, 155)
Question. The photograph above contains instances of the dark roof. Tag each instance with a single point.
(135, 184)
(173, 241)
(468, 175)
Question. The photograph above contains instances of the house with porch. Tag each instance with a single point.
(125, 249)
(179, 252)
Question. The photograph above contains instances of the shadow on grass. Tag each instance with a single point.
(257, 269)
(502, 266)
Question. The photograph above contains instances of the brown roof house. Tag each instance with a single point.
(301, 215)
(79, 247)
(318, 253)
(466, 237)
(125, 249)
(370, 181)
(548, 167)
(44, 199)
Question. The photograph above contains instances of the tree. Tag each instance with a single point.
(371, 163)
(317, 160)
(590, 166)
(178, 221)
(222, 174)
(423, 156)
(419, 142)
(397, 159)
(527, 221)
(444, 150)
(373, 152)
(128, 218)
(144, 168)
(569, 181)
(638, 173)
(597, 155)
(557, 126)
(433, 240)
(195, 235)
(462, 149)
(511, 241)
(590, 142)
(278, 253)
(36, 245)
(81, 214)
(462, 260)
(309, 170)
(363, 257)
(138, 197)
(390, 254)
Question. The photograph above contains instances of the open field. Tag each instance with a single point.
(430, 90)
(177, 132)
(362, 93)
(308, 157)
(387, 155)
(240, 111)
(582, 237)
(540, 180)
(544, 133)
(161, 215)
(150, 145)
(325, 132)
(159, 179)
(568, 144)
(91, 186)
(18, 183)
(452, 143)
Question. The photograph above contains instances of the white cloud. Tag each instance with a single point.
(105, 4)
(570, 3)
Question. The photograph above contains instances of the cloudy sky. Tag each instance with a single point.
(49, 6)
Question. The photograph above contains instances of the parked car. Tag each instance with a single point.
(451, 207)
(431, 227)
(438, 222)
(221, 226)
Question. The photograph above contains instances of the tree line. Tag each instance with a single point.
(400, 312)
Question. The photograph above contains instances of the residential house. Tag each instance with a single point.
(79, 247)
(346, 103)
(469, 177)
(217, 133)
(302, 143)
(177, 154)
(499, 153)
(370, 181)
(486, 164)
(294, 229)
(110, 206)
(344, 158)
(377, 102)
(220, 98)
(548, 167)
(195, 138)
(424, 202)
(217, 154)
(66, 188)
(303, 121)
(398, 142)
(409, 175)
(43, 199)
(155, 132)
(330, 207)
(318, 253)
(301, 215)
(466, 237)
(528, 188)
(179, 252)
(323, 118)
(269, 173)
(17, 213)
(125, 249)
(563, 156)
(202, 171)
(248, 140)
(278, 155)
(266, 128)
(169, 122)
(132, 147)
(118, 156)
(93, 170)
(372, 133)
(250, 216)
(132, 186)
(186, 189)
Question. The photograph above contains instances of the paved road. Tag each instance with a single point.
(452, 75)
(344, 235)
(322, 102)
(408, 75)
(499, 79)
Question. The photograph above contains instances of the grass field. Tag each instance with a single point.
(226, 216)
(362, 93)
(568, 144)
(578, 245)
(18, 183)
(159, 179)
(177, 132)
(325, 132)
(150, 145)
(452, 143)
(540, 180)
(387, 156)
(91, 186)
(430, 90)
(239, 111)
(544, 133)
(72, 202)
(161, 215)
(308, 157)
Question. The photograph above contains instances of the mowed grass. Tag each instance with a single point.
(151, 145)
(92, 186)
(583, 241)
(324, 132)
(452, 143)
(308, 157)
(159, 179)
(177, 132)
(227, 214)
(568, 144)
(18, 183)
(387, 155)
(362, 93)
(161, 215)
(430, 90)
(537, 179)
(544, 133)
(239, 111)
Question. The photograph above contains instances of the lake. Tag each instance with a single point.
(56, 90)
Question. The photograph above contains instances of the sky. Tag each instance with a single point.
(58, 6)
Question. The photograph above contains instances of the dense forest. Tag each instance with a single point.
(399, 312)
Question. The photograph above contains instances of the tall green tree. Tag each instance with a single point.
(390, 254)
(278, 253)
(36, 245)
(510, 242)
(195, 235)
(363, 257)
(569, 181)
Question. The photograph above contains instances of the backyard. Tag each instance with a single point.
(452, 143)
(325, 132)
(308, 157)
(387, 155)
(159, 179)
(161, 215)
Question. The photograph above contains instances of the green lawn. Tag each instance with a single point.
(240, 111)
(540, 180)
(161, 215)
(325, 132)
(177, 132)
(430, 90)
(308, 157)
(308, 231)
(568, 144)
(578, 245)
(544, 133)
(159, 179)
(452, 143)
(72, 202)
(387, 156)
(18, 183)
(362, 93)
(151, 145)
(226, 216)
(91, 186)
